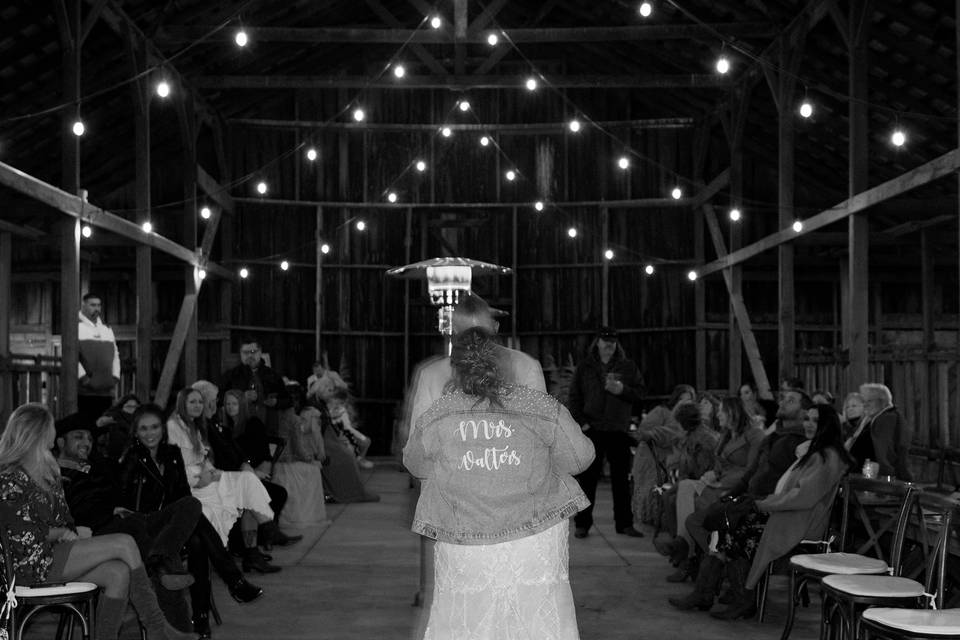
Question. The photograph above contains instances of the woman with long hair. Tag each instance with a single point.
(45, 544)
(225, 495)
(505, 455)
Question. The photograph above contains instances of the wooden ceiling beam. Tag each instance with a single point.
(462, 83)
(525, 128)
(183, 34)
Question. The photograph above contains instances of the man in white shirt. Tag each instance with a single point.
(99, 366)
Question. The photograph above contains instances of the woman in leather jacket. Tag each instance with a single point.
(151, 476)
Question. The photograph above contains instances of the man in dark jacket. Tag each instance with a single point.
(263, 387)
(604, 389)
(93, 496)
(882, 435)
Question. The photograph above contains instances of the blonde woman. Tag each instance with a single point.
(45, 544)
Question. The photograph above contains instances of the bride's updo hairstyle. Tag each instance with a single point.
(476, 365)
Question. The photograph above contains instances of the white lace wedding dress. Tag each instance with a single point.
(517, 590)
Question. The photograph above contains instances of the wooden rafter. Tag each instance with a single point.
(518, 128)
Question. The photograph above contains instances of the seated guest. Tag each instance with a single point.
(341, 477)
(225, 495)
(708, 404)
(300, 469)
(94, 502)
(761, 411)
(882, 435)
(113, 427)
(851, 413)
(152, 475)
(46, 545)
(230, 455)
(658, 433)
(798, 509)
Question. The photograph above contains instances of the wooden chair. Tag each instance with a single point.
(75, 600)
(928, 529)
(870, 501)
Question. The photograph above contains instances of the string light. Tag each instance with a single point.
(163, 88)
(574, 125)
(284, 265)
(484, 141)
(244, 272)
(691, 276)
(241, 38)
(399, 71)
(531, 84)
(311, 154)
(86, 231)
(648, 269)
(797, 226)
(735, 215)
(723, 64)
(324, 248)
(510, 175)
(608, 254)
(806, 109)
(392, 197)
(202, 273)
(421, 166)
(538, 205)
(262, 188)
(147, 227)
(361, 225)
(623, 162)
(78, 128)
(359, 114)
(436, 22)
(493, 39)
(572, 232)
(645, 9)
(446, 132)
(464, 105)
(898, 138)
(205, 213)
(677, 193)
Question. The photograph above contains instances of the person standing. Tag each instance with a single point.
(99, 366)
(503, 454)
(262, 386)
(605, 386)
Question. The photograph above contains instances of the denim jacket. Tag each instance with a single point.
(494, 474)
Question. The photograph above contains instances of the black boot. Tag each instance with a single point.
(744, 603)
(708, 579)
(244, 592)
(253, 560)
(269, 534)
(201, 626)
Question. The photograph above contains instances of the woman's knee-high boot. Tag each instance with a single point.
(144, 600)
(705, 588)
(109, 617)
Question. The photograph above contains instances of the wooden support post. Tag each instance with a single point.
(318, 290)
(927, 288)
(407, 249)
(165, 385)
(605, 270)
(740, 106)
(6, 295)
(459, 36)
(700, 307)
(514, 276)
(144, 284)
(188, 137)
(858, 225)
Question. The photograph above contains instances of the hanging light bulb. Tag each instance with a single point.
(645, 9)
(361, 225)
(284, 265)
(163, 88)
(147, 227)
(78, 128)
(898, 138)
(86, 231)
(648, 269)
(436, 22)
(735, 215)
(464, 105)
(572, 232)
(244, 272)
(608, 254)
(806, 109)
(446, 132)
(797, 226)
(677, 193)
(723, 64)
(399, 70)
(241, 38)
(392, 197)
(623, 162)
(421, 166)
(311, 154)
(484, 141)
(574, 125)
(493, 39)
(201, 273)
(262, 188)
(510, 175)
(205, 212)
(691, 276)
(359, 114)
(324, 248)
(531, 84)
(538, 205)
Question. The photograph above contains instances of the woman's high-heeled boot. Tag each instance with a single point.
(109, 617)
(705, 589)
(744, 603)
(144, 600)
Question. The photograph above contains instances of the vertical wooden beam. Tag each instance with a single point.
(407, 250)
(605, 269)
(318, 290)
(514, 288)
(188, 135)
(459, 36)
(700, 306)
(144, 291)
(858, 225)
(188, 310)
(6, 295)
(927, 290)
(227, 222)
(740, 105)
